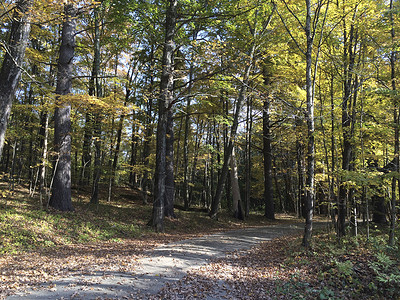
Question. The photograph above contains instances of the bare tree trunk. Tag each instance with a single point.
(165, 103)
(133, 158)
(10, 71)
(396, 132)
(249, 129)
(225, 168)
(42, 173)
(97, 117)
(267, 153)
(197, 144)
(186, 141)
(169, 177)
(86, 151)
(237, 200)
(61, 188)
(310, 193)
(348, 59)
(148, 131)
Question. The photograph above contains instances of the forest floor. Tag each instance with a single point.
(45, 250)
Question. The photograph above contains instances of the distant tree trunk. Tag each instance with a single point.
(148, 130)
(42, 168)
(165, 103)
(118, 141)
(186, 144)
(97, 116)
(310, 192)
(267, 153)
(110, 159)
(10, 71)
(248, 149)
(348, 59)
(61, 189)
(169, 176)
(199, 135)
(396, 131)
(333, 156)
(225, 168)
(86, 149)
(237, 200)
(133, 158)
(94, 199)
(300, 169)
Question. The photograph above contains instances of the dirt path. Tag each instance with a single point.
(165, 264)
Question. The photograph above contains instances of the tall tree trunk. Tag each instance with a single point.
(10, 71)
(396, 130)
(248, 149)
(94, 199)
(267, 153)
(237, 200)
(148, 130)
(186, 143)
(199, 137)
(169, 169)
(165, 104)
(300, 169)
(348, 59)
(310, 193)
(61, 189)
(227, 155)
(133, 158)
(333, 156)
(42, 168)
(97, 116)
(86, 148)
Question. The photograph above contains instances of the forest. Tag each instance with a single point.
(274, 106)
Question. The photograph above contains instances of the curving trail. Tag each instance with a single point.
(160, 266)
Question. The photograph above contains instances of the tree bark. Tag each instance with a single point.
(148, 130)
(269, 212)
(10, 71)
(310, 193)
(227, 154)
(97, 117)
(396, 131)
(348, 59)
(86, 149)
(237, 200)
(61, 189)
(165, 103)
(169, 169)
(42, 168)
(248, 150)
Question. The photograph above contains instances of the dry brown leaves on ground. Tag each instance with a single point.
(31, 269)
(265, 272)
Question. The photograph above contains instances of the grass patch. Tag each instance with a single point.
(26, 227)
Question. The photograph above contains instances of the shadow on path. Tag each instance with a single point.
(162, 265)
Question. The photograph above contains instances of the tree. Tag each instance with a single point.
(396, 116)
(310, 27)
(96, 90)
(61, 189)
(241, 98)
(164, 107)
(11, 67)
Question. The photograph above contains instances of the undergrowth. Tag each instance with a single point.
(349, 268)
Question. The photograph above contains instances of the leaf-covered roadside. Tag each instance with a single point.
(39, 246)
(280, 269)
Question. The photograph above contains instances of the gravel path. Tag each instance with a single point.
(162, 265)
